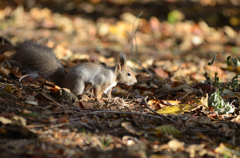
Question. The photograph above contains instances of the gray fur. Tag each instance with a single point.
(41, 59)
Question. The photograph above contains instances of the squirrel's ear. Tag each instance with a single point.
(122, 60)
(118, 67)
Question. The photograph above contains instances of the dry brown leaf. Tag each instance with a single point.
(237, 119)
(160, 72)
(176, 83)
(206, 88)
(175, 145)
(25, 111)
(4, 120)
(148, 93)
(86, 105)
(128, 126)
(15, 71)
(223, 149)
(5, 71)
(118, 90)
(170, 102)
(18, 93)
(115, 122)
(20, 120)
(53, 88)
(57, 109)
(196, 148)
(154, 104)
(2, 57)
(63, 119)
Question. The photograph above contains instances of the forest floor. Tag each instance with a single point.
(185, 103)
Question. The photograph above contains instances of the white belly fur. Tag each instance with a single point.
(112, 85)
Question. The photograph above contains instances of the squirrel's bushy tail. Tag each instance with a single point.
(36, 58)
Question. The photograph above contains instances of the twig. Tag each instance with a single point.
(134, 38)
(60, 105)
(8, 150)
(62, 124)
(121, 112)
(147, 106)
(46, 95)
(96, 111)
(134, 32)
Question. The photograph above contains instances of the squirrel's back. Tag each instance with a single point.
(41, 59)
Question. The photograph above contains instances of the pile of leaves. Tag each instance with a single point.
(181, 106)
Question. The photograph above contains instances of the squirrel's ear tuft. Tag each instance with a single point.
(122, 60)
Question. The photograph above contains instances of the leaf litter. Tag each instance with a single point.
(188, 105)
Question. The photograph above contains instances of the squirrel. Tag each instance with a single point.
(37, 58)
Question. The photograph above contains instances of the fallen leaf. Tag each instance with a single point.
(8, 89)
(128, 126)
(175, 110)
(224, 150)
(4, 120)
(86, 105)
(167, 129)
(20, 120)
(63, 119)
(160, 72)
(170, 102)
(5, 71)
(176, 145)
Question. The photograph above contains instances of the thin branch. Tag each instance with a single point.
(134, 31)
(147, 106)
(121, 112)
(136, 52)
(96, 111)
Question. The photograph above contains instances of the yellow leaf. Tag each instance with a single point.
(8, 89)
(235, 21)
(175, 110)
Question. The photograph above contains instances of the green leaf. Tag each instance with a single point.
(235, 61)
(234, 83)
(214, 58)
(174, 16)
(34, 114)
(228, 60)
(168, 130)
(216, 80)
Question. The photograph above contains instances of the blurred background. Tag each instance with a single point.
(169, 33)
(214, 12)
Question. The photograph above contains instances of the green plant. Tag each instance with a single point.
(106, 141)
(218, 104)
(215, 100)
(233, 84)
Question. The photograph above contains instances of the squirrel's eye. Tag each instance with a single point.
(129, 74)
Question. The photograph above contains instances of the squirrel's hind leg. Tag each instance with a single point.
(78, 88)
